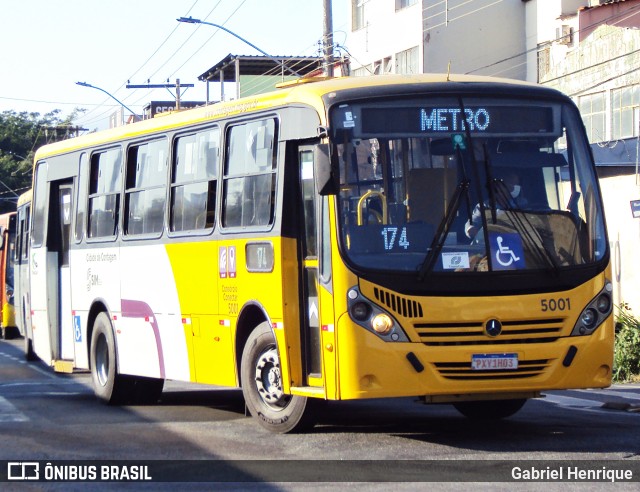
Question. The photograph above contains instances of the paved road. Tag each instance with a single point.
(49, 416)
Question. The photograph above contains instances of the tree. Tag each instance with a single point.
(21, 134)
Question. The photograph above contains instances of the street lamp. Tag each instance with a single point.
(191, 20)
(85, 84)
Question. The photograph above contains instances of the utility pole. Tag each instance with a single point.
(177, 86)
(327, 39)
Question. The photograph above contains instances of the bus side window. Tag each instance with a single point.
(193, 181)
(81, 200)
(25, 234)
(104, 193)
(249, 175)
(145, 188)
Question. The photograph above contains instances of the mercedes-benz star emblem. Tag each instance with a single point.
(493, 328)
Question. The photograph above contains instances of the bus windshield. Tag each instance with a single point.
(455, 184)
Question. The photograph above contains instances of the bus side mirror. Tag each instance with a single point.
(3, 229)
(325, 171)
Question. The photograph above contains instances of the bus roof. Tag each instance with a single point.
(302, 93)
(26, 197)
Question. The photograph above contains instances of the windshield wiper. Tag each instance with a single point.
(443, 229)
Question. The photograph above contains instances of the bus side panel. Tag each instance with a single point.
(95, 277)
(209, 308)
(150, 337)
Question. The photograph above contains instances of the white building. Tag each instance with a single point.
(418, 36)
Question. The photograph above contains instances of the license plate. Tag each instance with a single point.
(494, 362)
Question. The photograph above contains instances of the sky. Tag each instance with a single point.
(49, 45)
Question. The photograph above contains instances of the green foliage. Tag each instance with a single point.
(626, 361)
(21, 134)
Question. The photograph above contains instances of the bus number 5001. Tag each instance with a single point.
(562, 304)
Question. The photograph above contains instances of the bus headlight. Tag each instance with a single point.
(589, 318)
(603, 304)
(594, 313)
(373, 318)
(382, 323)
(360, 311)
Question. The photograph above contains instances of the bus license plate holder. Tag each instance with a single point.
(494, 362)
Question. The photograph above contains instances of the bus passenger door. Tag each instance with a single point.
(60, 229)
(310, 312)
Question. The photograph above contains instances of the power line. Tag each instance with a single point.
(101, 115)
(210, 37)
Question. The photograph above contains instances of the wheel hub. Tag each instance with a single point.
(269, 381)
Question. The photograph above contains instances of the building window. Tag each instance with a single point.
(401, 4)
(544, 62)
(193, 181)
(146, 188)
(249, 175)
(104, 193)
(407, 61)
(357, 14)
(625, 108)
(593, 110)
(361, 72)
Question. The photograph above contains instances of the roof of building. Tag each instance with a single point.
(260, 65)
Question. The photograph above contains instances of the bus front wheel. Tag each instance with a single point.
(489, 409)
(262, 386)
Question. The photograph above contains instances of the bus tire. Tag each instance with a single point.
(9, 332)
(489, 409)
(109, 387)
(262, 386)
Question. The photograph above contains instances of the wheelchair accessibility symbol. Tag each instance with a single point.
(506, 250)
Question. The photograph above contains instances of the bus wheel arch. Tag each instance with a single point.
(96, 308)
(111, 387)
(250, 317)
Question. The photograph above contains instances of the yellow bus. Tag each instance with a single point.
(7, 244)
(431, 236)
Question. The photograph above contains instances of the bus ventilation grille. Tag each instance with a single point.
(472, 332)
(398, 304)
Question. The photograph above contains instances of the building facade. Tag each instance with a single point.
(419, 36)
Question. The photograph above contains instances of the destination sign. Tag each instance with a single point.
(529, 120)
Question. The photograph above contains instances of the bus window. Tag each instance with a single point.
(40, 203)
(145, 189)
(104, 193)
(249, 177)
(81, 201)
(193, 181)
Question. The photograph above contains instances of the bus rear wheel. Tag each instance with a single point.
(489, 409)
(262, 386)
(109, 386)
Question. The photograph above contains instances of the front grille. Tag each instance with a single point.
(398, 304)
(463, 370)
(472, 333)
